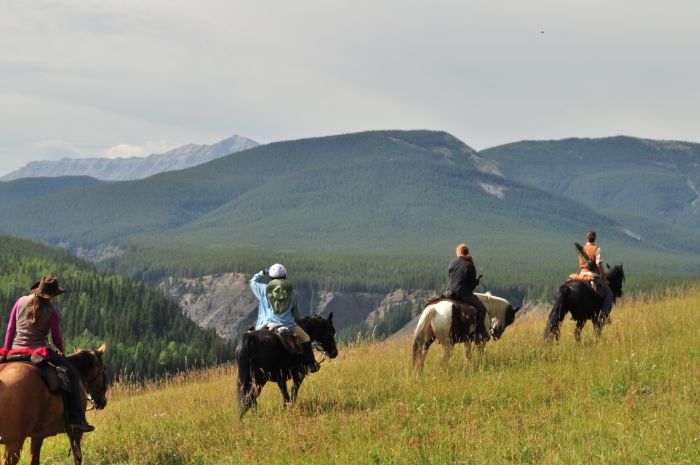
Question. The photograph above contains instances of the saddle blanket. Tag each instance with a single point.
(55, 377)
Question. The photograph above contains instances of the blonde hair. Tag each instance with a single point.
(34, 307)
(462, 249)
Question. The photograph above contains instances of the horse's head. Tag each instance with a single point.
(93, 374)
(498, 325)
(616, 275)
(321, 331)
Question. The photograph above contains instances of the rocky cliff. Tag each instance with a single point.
(225, 303)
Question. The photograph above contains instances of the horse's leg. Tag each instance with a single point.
(297, 379)
(13, 450)
(467, 350)
(248, 396)
(420, 356)
(598, 326)
(35, 451)
(448, 352)
(577, 332)
(75, 439)
(283, 389)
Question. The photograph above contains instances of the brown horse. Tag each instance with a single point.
(28, 409)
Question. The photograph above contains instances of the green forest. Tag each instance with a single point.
(146, 333)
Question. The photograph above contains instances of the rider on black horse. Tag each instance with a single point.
(278, 306)
(591, 264)
(462, 281)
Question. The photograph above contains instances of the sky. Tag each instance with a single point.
(96, 78)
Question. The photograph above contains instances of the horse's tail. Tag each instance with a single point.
(244, 354)
(419, 336)
(557, 314)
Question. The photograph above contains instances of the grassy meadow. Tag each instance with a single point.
(633, 397)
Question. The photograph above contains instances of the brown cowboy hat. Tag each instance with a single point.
(48, 287)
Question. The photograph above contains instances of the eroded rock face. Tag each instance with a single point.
(225, 303)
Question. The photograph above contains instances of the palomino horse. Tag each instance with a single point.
(28, 409)
(261, 358)
(436, 322)
(578, 298)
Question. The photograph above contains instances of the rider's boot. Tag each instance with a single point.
(309, 359)
(76, 416)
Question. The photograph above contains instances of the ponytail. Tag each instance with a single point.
(33, 308)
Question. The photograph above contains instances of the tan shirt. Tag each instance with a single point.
(28, 335)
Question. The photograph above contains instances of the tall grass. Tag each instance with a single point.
(632, 397)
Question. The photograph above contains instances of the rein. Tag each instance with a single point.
(86, 383)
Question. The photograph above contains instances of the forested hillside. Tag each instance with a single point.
(374, 210)
(620, 176)
(146, 334)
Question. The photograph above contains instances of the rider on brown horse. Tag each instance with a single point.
(461, 283)
(31, 320)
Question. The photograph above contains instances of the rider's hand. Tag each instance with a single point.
(266, 271)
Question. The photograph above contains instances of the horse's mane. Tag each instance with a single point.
(617, 272)
(81, 360)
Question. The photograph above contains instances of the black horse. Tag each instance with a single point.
(261, 358)
(581, 300)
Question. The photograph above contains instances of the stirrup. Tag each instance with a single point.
(82, 427)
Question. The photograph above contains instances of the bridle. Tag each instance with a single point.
(101, 372)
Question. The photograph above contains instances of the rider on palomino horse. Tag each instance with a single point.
(31, 320)
(591, 268)
(461, 283)
(278, 306)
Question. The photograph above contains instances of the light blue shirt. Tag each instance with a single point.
(265, 313)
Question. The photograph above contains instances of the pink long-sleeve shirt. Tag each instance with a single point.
(54, 325)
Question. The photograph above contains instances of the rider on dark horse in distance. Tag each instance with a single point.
(278, 306)
(591, 264)
(462, 281)
(32, 318)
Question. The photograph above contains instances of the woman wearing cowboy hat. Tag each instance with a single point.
(31, 320)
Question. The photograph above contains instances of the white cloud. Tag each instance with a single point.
(128, 150)
(55, 149)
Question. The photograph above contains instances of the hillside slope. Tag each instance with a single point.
(371, 190)
(628, 398)
(121, 169)
(617, 175)
(375, 210)
(146, 334)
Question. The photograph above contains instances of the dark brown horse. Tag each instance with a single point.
(578, 298)
(28, 409)
(261, 357)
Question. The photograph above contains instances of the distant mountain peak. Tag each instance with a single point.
(123, 169)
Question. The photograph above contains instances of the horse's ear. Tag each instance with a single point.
(330, 317)
(103, 347)
(608, 265)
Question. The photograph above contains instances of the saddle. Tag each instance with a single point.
(55, 377)
(588, 279)
(289, 341)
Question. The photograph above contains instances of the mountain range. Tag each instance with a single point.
(372, 202)
(123, 169)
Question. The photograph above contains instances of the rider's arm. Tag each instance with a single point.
(257, 285)
(599, 262)
(11, 326)
(55, 325)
